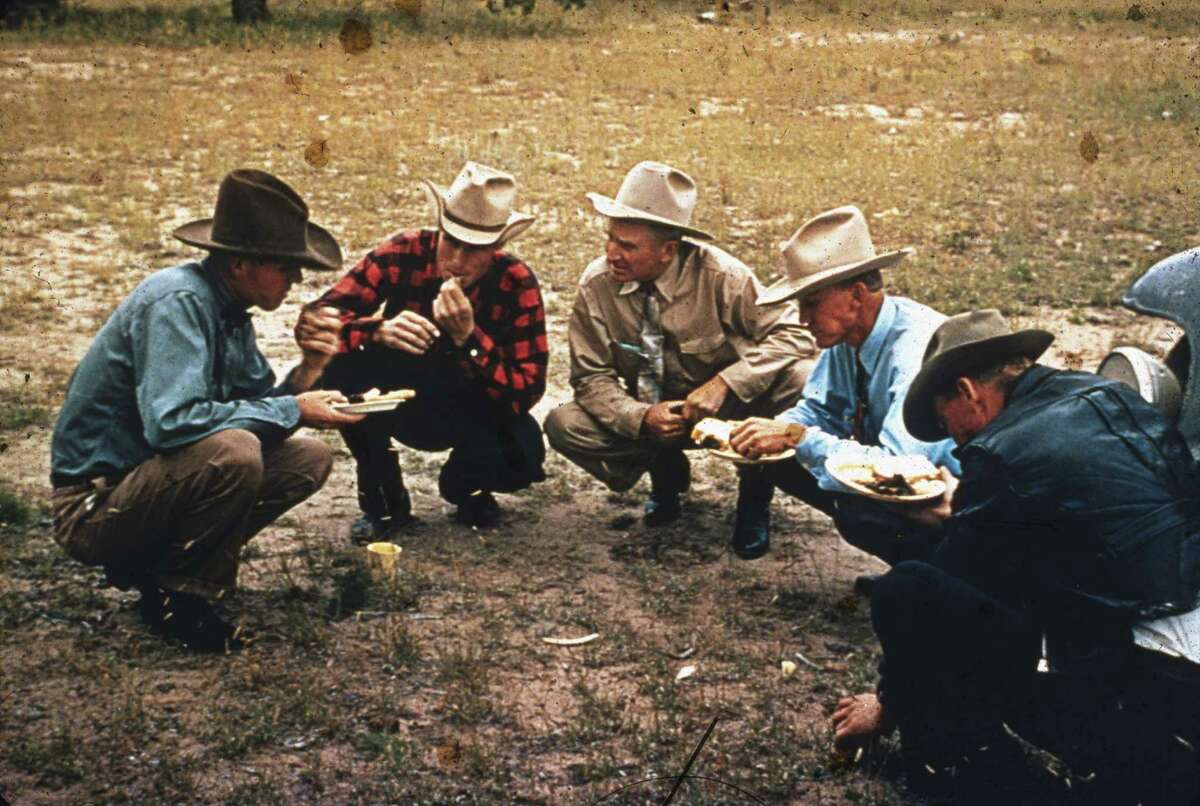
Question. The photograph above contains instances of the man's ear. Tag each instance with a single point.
(669, 250)
(968, 389)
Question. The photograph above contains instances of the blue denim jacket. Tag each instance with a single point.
(1080, 502)
(176, 362)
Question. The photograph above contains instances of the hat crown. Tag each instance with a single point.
(481, 196)
(966, 328)
(660, 191)
(838, 237)
(258, 211)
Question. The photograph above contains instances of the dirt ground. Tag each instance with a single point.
(439, 688)
(451, 684)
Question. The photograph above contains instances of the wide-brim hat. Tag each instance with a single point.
(477, 207)
(829, 248)
(962, 344)
(259, 215)
(655, 193)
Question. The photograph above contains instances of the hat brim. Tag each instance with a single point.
(787, 288)
(611, 208)
(323, 253)
(940, 371)
(514, 226)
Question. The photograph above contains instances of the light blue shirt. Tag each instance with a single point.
(176, 362)
(891, 356)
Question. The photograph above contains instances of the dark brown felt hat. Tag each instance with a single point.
(963, 343)
(261, 216)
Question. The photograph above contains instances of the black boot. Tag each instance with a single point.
(479, 510)
(193, 622)
(383, 501)
(752, 524)
(670, 476)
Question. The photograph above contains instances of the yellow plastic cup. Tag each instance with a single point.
(381, 560)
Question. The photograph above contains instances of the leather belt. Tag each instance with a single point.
(61, 481)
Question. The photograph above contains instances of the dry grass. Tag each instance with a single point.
(115, 130)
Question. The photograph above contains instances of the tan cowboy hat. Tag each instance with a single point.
(261, 216)
(828, 248)
(656, 193)
(477, 207)
(963, 343)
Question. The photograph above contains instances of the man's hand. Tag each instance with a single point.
(759, 436)
(316, 410)
(317, 333)
(706, 400)
(858, 720)
(409, 332)
(936, 513)
(665, 421)
(452, 310)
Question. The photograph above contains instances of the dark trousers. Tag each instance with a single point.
(874, 527)
(489, 451)
(959, 663)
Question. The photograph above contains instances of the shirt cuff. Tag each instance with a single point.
(629, 419)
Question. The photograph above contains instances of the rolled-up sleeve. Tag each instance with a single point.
(773, 338)
(174, 346)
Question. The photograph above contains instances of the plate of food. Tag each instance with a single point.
(896, 479)
(373, 401)
(714, 434)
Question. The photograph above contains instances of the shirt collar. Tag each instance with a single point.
(666, 283)
(872, 349)
(232, 310)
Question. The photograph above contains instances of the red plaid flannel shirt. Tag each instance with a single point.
(507, 353)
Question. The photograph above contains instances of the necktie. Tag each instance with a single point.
(860, 396)
(650, 375)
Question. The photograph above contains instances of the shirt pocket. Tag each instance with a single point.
(702, 357)
(628, 363)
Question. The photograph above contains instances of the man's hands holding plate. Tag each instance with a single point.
(759, 437)
(761, 440)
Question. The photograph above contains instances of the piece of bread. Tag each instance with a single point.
(713, 433)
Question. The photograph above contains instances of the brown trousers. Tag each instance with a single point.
(182, 517)
(619, 461)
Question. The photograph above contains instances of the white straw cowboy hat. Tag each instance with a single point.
(962, 344)
(655, 193)
(477, 207)
(827, 249)
(259, 215)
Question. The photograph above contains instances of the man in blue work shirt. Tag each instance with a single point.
(174, 445)
(853, 401)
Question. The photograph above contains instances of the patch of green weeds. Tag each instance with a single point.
(599, 717)
(14, 510)
(55, 760)
(212, 24)
(463, 668)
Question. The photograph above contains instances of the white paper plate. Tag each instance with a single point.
(838, 467)
(382, 403)
(738, 459)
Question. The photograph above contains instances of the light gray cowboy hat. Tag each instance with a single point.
(963, 343)
(656, 193)
(477, 207)
(827, 249)
(259, 215)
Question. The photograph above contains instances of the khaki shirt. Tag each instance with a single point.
(711, 326)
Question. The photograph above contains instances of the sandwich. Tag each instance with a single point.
(713, 433)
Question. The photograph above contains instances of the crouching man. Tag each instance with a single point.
(1073, 546)
(450, 313)
(174, 445)
(665, 332)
